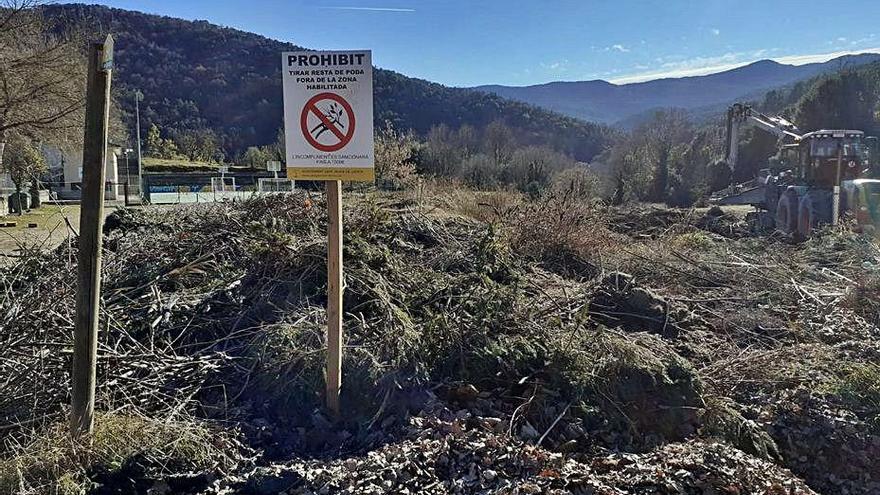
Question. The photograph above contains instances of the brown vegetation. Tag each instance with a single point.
(475, 322)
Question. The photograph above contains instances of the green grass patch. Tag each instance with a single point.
(55, 463)
(860, 388)
(697, 241)
(183, 165)
(150, 163)
(47, 217)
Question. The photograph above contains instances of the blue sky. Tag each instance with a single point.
(472, 42)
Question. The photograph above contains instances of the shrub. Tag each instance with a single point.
(578, 182)
(55, 464)
(860, 387)
(638, 381)
(693, 240)
(481, 172)
(395, 152)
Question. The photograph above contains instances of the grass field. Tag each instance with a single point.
(161, 164)
(50, 227)
(46, 217)
(183, 165)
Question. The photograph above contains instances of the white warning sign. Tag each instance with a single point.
(328, 115)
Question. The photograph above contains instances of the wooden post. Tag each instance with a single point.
(88, 292)
(334, 294)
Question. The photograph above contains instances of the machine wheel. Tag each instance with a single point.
(806, 219)
(786, 212)
(814, 207)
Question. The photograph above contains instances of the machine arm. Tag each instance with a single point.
(739, 114)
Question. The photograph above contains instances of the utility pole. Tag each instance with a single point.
(88, 290)
(127, 187)
(138, 96)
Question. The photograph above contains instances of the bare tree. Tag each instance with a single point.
(499, 142)
(394, 153)
(42, 76)
(442, 157)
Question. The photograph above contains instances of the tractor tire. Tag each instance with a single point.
(814, 208)
(786, 213)
(806, 220)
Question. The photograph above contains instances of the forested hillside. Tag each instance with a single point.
(196, 76)
(845, 99)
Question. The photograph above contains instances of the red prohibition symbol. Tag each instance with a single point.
(335, 119)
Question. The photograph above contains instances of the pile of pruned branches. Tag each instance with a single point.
(460, 335)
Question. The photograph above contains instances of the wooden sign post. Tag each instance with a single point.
(328, 134)
(88, 289)
(334, 294)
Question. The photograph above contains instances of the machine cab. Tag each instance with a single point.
(831, 156)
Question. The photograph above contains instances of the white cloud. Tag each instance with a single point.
(701, 66)
(617, 47)
(867, 40)
(557, 66)
(821, 57)
(695, 71)
(716, 31)
(370, 9)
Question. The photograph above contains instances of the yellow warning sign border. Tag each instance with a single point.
(332, 173)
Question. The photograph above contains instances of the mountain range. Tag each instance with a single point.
(604, 102)
(196, 75)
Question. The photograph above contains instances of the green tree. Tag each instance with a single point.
(153, 141)
(664, 135)
(157, 146)
(25, 164)
(531, 168)
(168, 149)
(256, 157)
(200, 145)
(845, 100)
(690, 179)
(642, 162)
(207, 145)
(755, 148)
(187, 143)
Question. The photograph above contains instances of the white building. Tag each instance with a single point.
(65, 170)
(65, 176)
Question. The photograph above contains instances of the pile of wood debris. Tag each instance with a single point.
(700, 358)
